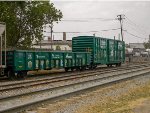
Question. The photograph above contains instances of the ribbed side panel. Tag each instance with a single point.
(82, 44)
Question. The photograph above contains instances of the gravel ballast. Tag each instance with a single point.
(80, 103)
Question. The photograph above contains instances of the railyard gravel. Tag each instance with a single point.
(41, 95)
(81, 102)
(70, 106)
(52, 85)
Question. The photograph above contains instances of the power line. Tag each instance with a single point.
(133, 28)
(110, 29)
(89, 31)
(75, 20)
(136, 28)
(133, 23)
(87, 19)
(133, 34)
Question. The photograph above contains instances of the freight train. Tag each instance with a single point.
(87, 53)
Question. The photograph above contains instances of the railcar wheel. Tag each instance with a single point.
(82, 68)
(117, 65)
(66, 69)
(24, 74)
(92, 67)
(110, 65)
(11, 75)
(95, 66)
(77, 68)
(72, 69)
(21, 75)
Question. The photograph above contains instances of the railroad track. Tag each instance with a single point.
(32, 85)
(30, 98)
(4, 80)
(29, 83)
(48, 76)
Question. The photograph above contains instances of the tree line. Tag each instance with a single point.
(25, 20)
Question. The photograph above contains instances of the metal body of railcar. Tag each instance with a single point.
(19, 62)
(103, 50)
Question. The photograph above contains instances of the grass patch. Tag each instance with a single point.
(123, 104)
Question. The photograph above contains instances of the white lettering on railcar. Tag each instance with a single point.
(79, 55)
(39, 57)
(29, 56)
(55, 56)
(67, 56)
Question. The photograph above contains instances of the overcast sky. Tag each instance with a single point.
(94, 15)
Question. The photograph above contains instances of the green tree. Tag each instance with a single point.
(25, 21)
(147, 45)
(58, 47)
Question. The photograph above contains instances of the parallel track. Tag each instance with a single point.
(31, 83)
(71, 88)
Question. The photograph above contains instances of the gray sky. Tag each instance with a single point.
(93, 15)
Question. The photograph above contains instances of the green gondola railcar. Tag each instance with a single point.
(16, 63)
(19, 62)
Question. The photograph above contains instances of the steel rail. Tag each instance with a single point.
(58, 74)
(100, 77)
(56, 79)
(53, 77)
(64, 90)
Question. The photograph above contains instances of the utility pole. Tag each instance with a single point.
(120, 18)
(51, 28)
(119, 36)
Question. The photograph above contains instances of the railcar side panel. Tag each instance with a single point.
(57, 60)
(116, 51)
(19, 61)
(121, 51)
(100, 50)
(111, 51)
(80, 59)
(41, 60)
(30, 61)
(88, 59)
(69, 59)
(10, 58)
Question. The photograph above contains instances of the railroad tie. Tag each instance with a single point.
(31, 112)
(43, 110)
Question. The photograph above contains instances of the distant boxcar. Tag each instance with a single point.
(103, 50)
